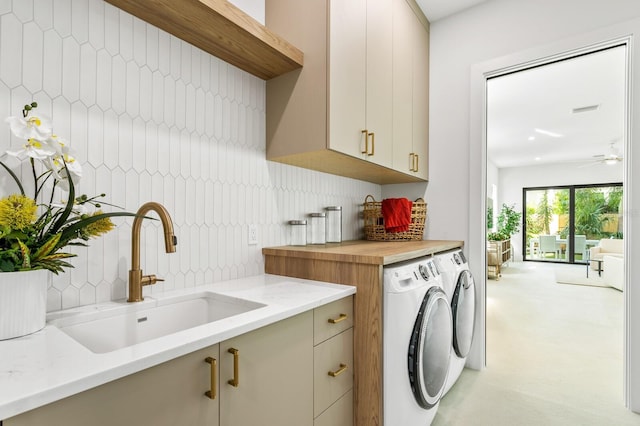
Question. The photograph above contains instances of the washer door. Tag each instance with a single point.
(430, 347)
(463, 306)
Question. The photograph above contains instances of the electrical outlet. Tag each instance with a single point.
(253, 234)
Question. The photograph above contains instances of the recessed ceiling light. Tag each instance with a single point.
(548, 133)
(585, 108)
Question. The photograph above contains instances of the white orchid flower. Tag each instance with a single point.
(59, 144)
(33, 127)
(34, 148)
(56, 164)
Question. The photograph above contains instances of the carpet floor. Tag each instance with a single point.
(554, 356)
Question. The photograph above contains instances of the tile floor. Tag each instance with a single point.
(554, 356)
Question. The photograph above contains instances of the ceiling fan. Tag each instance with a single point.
(611, 158)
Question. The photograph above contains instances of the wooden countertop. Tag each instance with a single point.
(363, 251)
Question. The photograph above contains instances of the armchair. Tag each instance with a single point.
(608, 247)
(613, 273)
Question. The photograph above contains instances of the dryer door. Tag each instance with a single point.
(429, 349)
(463, 306)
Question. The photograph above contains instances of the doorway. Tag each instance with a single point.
(568, 170)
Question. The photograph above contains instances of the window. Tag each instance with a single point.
(563, 222)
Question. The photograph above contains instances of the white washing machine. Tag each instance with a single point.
(459, 286)
(417, 336)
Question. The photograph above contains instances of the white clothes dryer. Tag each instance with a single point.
(459, 286)
(417, 337)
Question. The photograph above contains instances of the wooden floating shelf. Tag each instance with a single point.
(221, 29)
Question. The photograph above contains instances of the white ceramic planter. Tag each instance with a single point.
(23, 302)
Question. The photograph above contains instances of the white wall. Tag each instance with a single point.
(501, 34)
(153, 118)
(512, 180)
(253, 8)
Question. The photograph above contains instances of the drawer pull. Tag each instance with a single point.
(236, 369)
(339, 371)
(341, 318)
(214, 366)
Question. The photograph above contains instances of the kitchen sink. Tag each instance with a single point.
(130, 324)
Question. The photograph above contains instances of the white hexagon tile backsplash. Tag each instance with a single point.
(153, 118)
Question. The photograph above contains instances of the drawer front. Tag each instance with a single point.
(339, 414)
(332, 370)
(331, 319)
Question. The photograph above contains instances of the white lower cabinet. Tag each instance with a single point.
(270, 376)
(275, 375)
(169, 394)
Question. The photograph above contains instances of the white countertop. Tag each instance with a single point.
(49, 365)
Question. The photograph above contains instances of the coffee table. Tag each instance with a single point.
(599, 266)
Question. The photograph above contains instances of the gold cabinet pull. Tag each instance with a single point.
(414, 160)
(236, 373)
(365, 132)
(373, 144)
(339, 371)
(341, 318)
(214, 378)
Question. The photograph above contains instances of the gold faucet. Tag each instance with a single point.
(136, 279)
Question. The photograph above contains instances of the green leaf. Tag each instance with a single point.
(7, 266)
(69, 233)
(26, 258)
(47, 247)
(69, 207)
(57, 256)
(54, 266)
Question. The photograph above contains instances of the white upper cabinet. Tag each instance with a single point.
(410, 92)
(350, 110)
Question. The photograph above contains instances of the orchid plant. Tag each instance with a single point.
(33, 233)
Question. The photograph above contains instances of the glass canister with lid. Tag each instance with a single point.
(334, 224)
(298, 232)
(318, 225)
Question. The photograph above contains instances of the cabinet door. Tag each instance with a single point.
(275, 375)
(169, 394)
(402, 86)
(421, 98)
(347, 71)
(379, 81)
(339, 414)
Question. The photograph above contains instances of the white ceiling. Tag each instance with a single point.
(543, 98)
(529, 113)
(438, 9)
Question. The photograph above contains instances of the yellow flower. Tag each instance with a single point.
(17, 211)
(99, 227)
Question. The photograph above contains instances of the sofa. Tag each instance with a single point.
(606, 247)
(613, 271)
